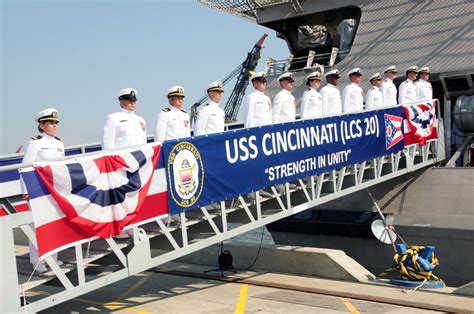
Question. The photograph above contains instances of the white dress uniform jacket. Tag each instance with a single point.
(389, 93)
(43, 148)
(331, 98)
(123, 129)
(284, 107)
(424, 91)
(257, 110)
(172, 123)
(407, 92)
(311, 104)
(374, 98)
(352, 98)
(210, 119)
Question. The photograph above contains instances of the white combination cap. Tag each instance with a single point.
(333, 72)
(259, 76)
(316, 75)
(49, 114)
(286, 76)
(127, 93)
(391, 68)
(412, 68)
(424, 70)
(175, 91)
(354, 71)
(215, 86)
(376, 76)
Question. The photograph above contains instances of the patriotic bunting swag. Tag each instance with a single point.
(420, 123)
(95, 195)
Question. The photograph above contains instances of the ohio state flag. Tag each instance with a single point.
(421, 123)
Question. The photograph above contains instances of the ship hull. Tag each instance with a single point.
(435, 207)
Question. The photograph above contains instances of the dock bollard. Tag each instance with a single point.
(416, 264)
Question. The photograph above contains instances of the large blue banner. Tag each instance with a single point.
(208, 169)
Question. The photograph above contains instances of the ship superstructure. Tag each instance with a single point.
(432, 206)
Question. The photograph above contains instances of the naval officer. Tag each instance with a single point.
(424, 91)
(124, 128)
(257, 106)
(388, 88)
(407, 90)
(374, 97)
(257, 109)
(44, 147)
(311, 102)
(173, 121)
(211, 117)
(330, 94)
(352, 94)
(284, 102)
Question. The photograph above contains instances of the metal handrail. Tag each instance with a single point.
(227, 127)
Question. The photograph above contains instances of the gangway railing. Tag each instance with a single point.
(15, 159)
(156, 242)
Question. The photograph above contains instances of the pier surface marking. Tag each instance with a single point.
(137, 285)
(349, 305)
(242, 299)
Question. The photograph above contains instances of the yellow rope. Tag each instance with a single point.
(414, 271)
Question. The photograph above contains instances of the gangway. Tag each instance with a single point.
(155, 242)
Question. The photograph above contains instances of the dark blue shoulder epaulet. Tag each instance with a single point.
(183, 111)
(166, 109)
(204, 105)
(58, 138)
(36, 137)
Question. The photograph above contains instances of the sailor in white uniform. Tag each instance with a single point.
(44, 147)
(424, 91)
(352, 94)
(211, 117)
(173, 121)
(407, 89)
(257, 109)
(257, 106)
(284, 104)
(312, 102)
(330, 94)
(374, 97)
(388, 88)
(124, 128)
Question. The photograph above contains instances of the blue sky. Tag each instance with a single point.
(76, 55)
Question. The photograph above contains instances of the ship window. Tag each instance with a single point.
(321, 32)
(457, 84)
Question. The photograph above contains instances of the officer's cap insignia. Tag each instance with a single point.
(180, 90)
